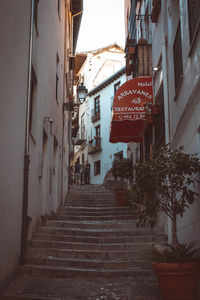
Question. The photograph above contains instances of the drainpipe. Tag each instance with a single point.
(63, 113)
(165, 71)
(26, 149)
(73, 16)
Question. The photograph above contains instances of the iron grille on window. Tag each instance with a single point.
(194, 17)
(97, 104)
(178, 62)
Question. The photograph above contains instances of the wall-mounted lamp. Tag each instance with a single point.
(156, 68)
(81, 93)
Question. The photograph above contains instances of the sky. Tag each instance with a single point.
(102, 24)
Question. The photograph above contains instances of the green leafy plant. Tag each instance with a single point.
(122, 168)
(165, 183)
(180, 253)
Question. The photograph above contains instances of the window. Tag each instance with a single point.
(35, 15)
(98, 136)
(59, 8)
(97, 105)
(194, 17)
(178, 61)
(97, 167)
(116, 86)
(98, 131)
(32, 115)
(42, 164)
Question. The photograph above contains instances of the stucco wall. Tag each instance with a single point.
(48, 44)
(183, 103)
(14, 30)
(106, 156)
(44, 194)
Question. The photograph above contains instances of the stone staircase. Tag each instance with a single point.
(93, 238)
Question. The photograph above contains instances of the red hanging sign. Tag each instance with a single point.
(128, 117)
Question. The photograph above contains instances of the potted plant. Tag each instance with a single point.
(122, 170)
(165, 183)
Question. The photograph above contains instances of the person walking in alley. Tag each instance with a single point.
(83, 173)
(87, 172)
(77, 172)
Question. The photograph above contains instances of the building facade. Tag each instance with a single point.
(36, 42)
(175, 37)
(102, 77)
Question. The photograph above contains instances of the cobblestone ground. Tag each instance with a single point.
(78, 288)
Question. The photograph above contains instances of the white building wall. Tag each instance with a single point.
(106, 156)
(101, 64)
(14, 28)
(185, 104)
(182, 123)
(47, 116)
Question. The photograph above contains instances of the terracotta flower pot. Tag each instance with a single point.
(121, 198)
(178, 281)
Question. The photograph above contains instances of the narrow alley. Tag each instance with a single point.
(92, 250)
(100, 133)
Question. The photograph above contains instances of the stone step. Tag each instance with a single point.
(94, 225)
(93, 198)
(97, 205)
(91, 254)
(103, 245)
(100, 232)
(97, 210)
(97, 264)
(62, 272)
(59, 233)
(27, 297)
(31, 297)
(93, 195)
(75, 217)
(88, 188)
(145, 235)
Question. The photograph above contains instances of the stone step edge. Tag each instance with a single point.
(104, 260)
(66, 206)
(26, 296)
(92, 251)
(138, 271)
(136, 244)
(99, 234)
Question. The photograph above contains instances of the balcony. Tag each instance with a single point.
(141, 65)
(95, 145)
(95, 115)
(130, 48)
(79, 139)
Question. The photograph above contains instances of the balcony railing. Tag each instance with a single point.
(95, 145)
(80, 138)
(95, 115)
(141, 64)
